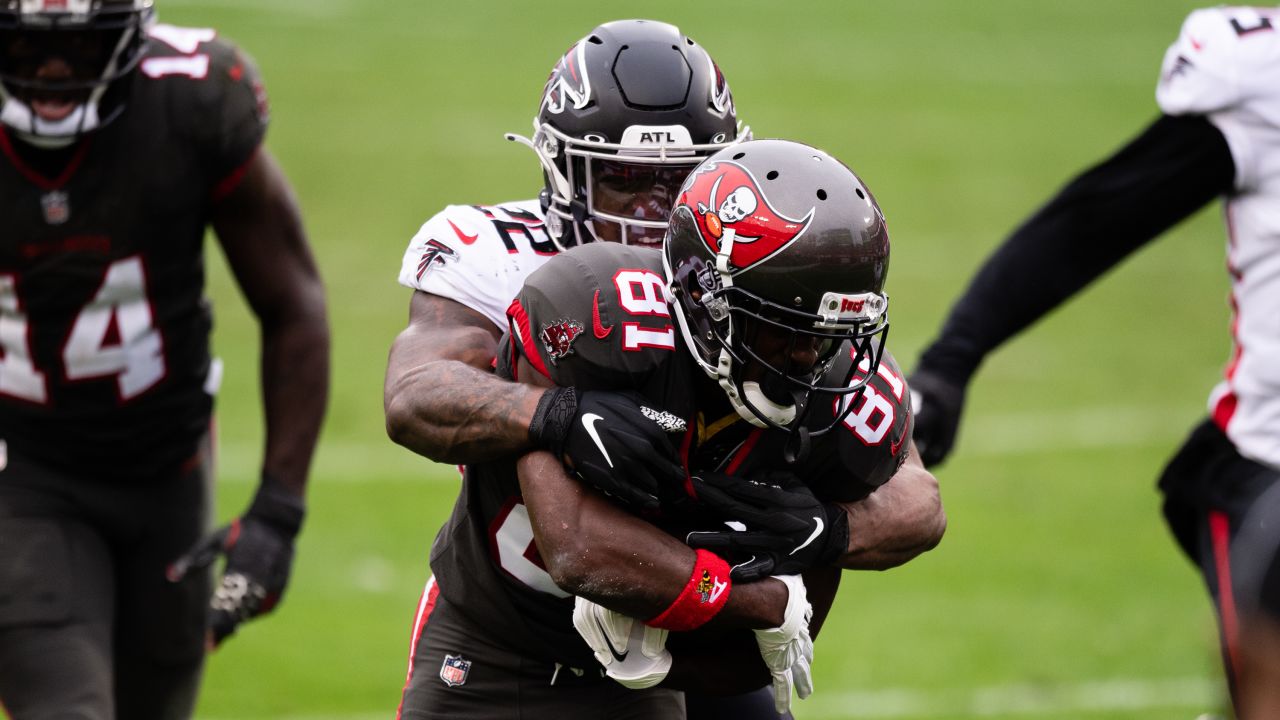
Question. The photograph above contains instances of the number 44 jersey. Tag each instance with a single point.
(596, 318)
(104, 327)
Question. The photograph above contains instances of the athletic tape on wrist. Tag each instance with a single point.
(703, 596)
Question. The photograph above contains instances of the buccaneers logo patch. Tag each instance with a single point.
(731, 208)
(558, 338)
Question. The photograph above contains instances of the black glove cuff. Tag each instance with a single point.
(277, 506)
(553, 417)
(939, 369)
(838, 539)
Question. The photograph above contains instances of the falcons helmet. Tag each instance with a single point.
(626, 113)
(60, 61)
(776, 259)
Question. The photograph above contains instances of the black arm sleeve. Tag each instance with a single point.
(1175, 167)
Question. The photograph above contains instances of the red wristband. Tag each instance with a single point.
(703, 596)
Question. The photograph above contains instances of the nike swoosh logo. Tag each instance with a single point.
(619, 656)
(717, 590)
(816, 532)
(589, 422)
(597, 327)
(894, 447)
(465, 238)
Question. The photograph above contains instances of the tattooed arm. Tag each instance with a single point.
(440, 398)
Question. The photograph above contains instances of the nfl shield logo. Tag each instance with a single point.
(454, 671)
(55, 206)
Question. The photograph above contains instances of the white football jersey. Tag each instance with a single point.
(1225, 65)
(478, 255)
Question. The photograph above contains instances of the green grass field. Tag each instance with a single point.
(1056, 593)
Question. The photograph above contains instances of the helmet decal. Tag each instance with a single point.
(721, 98)
(730, 207)
(568, 82)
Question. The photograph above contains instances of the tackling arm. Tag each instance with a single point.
(440, 398)
(900, 520)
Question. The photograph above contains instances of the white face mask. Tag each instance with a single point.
(45, 134)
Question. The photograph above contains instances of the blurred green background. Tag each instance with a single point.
(1057, 592)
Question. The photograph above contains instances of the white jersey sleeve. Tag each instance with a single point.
(478, 255)
(1225, 65)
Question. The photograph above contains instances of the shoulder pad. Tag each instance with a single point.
(1220, 55)
(478, 256)
(214, 92)
(866, 449)
(595, 316)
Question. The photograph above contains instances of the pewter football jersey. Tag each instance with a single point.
(478, 255)
(596, 318)
(104, 324)
(1225, 65)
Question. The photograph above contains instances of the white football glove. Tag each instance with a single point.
(631, 652)
(788, 649)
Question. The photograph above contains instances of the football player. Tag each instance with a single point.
(121, 141)
(784, 405)
(1220, 120)
(625, 114)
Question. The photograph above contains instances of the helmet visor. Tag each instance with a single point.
(637, 196)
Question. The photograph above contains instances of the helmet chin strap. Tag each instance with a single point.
(49, 135)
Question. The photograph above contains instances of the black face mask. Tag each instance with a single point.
(56, 63)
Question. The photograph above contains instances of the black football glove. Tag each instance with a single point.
(613, 442)
(788, 529)
(937, 403)
(259, 550)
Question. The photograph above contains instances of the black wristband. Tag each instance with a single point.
(277, 506)
(838, 540)
(552, 418)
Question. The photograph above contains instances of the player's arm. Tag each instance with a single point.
(900, 520)
(441, 399)
(260, 229)
(789, 529)
(731, 664)
(622, 564)
(1173, 168)
(594, 549)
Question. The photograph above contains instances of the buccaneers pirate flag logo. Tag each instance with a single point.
(733, 211)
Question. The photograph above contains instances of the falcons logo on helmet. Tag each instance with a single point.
(568, 82)
(731, 208)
